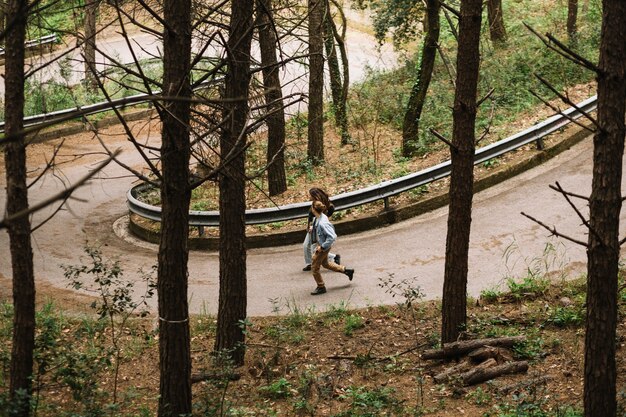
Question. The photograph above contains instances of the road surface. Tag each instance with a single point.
(503, 243)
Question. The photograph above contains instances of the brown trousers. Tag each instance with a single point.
(321, 259)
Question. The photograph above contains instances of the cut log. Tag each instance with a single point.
(452, 371)
(456, 349)
(498, 353)
(476, 376)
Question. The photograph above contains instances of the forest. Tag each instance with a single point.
(247, 104)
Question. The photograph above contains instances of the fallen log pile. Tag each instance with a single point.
(484, 360)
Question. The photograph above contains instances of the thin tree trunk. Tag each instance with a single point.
(572, 15)
(315, 149)
(410, 127)
(336, 84)
(91, 13)
(605, 203)
(276, 177)
(497, 30)
(233, 289)
(174, 337)
(17, 200)
(454, 305)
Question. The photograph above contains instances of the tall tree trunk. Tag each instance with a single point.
(315, 149)
(572, 15)
(454, 306)
(3, 19)
(233, 288)
(497, 31)
(410, 127)
(91, 14)
(174, 339)
(605, 203)
(17, 200)
(337, 86)
(276, 177)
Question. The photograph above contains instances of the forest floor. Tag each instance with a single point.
(337, 361)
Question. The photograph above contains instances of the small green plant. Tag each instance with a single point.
(490, 295)
(352, 323)
(479, 397)
(491, 163)
(531, 349)
(529, 287)
(566, 316)
(280, 388)
(533, 403)
(364, 402)
(335, 313)
(200, 206)
(115, 294)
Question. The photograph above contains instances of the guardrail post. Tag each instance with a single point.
(386, 202)
(540, 145)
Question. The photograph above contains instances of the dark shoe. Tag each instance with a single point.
(350, 273)
(307, 268)
(338, 259)
(319, 290)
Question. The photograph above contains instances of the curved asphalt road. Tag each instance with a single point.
(413, 249)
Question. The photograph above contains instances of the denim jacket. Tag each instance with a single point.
(325, 231)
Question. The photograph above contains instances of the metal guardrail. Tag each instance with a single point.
(381, 191)
(91, 109)
(36, 43)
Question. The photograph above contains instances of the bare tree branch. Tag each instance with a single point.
(567, 100)
(63, 195)
(486, 97)
(450, 9)
(443, 139)
(563, 50)
(559, 111)
(582, 197)
(580, 215)
(553, 230)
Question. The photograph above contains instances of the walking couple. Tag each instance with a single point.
(319, 240)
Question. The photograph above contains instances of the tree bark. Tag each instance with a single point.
(454, 303)
(17, 200)
(337, 85)
(233, 291)
(447, 374)
(276, 177)
(174, 338)
(497, 30)
(460, 348)
(3, 19)
(91, 14)
(482, 374)
(410, 126)
(572, 15)
(603, 251)
(315, 148)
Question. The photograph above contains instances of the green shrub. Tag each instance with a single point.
(353, 322)
(566, 316)
(277, 389)
(529, 287)
(364, 402)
